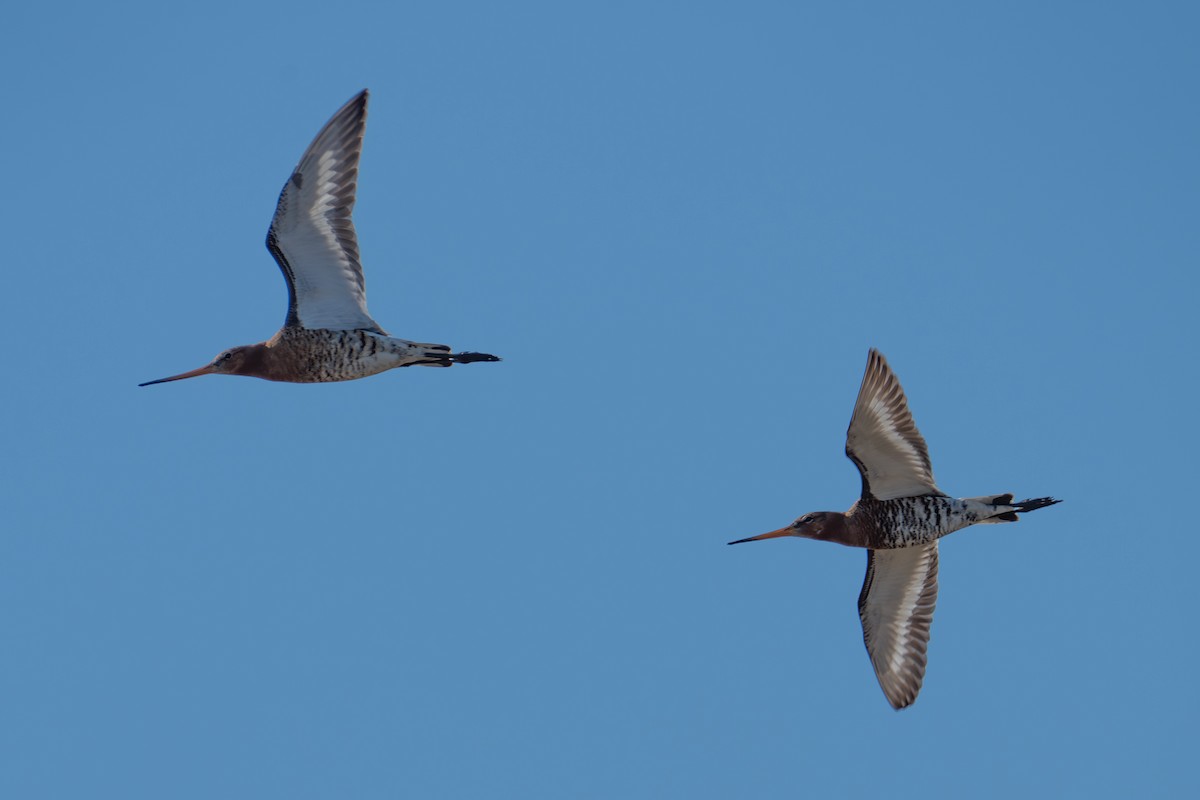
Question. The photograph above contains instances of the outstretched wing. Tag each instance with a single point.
(896, 608)
(312, 236)
(883, 441)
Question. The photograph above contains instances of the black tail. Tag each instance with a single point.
(470, 358)
(1033, 505)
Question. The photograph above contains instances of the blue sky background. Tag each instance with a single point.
(682, 225)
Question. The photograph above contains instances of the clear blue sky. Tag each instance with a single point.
(682, 225)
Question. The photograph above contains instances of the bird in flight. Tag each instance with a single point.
(328, 334)
(899, 519)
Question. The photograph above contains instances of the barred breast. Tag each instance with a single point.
(910, 521)
(302, 355)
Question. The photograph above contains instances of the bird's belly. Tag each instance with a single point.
(914, 521)
(323, 356)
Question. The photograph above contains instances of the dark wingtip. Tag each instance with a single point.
(470, 358)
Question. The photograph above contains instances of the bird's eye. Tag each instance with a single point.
(227, 356)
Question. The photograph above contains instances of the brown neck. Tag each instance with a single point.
(841, 528)
(258, 361)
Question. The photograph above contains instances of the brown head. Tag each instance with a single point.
(828, 526)
(244, 359)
